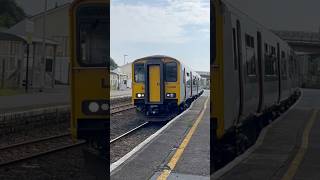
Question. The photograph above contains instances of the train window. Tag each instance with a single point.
(273, 50)
(266, 48)
(251, 65)
(270, 65)
(250, 54)
(171, 72)
(92, 36)
(283, 55)
(235, 57)
(284, 68)
(249, 41)
(139, 73)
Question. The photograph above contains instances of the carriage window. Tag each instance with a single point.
(171, 72)
(250, 53)
(139, 73)
(92, 36)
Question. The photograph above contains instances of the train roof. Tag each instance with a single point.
(236, 11)
(165, 56)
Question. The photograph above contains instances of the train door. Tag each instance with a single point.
(260, 73)
(279, 72)
(185, 83)
(154, 83)
(240, 76)
(191, 83)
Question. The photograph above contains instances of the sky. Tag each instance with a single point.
(177, 28)
(180, 28)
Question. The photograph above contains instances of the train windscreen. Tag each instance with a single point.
(139, 73)
(92, 36)
(171, 72)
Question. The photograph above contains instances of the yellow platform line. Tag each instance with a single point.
(175, 158)
(302, 150)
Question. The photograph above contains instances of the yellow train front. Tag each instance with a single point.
(89, 71)
(162, 85)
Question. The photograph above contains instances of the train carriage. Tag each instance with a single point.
(162, 84)
(254, 77)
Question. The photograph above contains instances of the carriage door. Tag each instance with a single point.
(259, 41)
(154, 83)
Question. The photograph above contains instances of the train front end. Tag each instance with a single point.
(156, 85)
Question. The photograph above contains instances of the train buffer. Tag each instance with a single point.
(180, 151)
(286, 149)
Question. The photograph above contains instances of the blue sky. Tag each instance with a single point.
(178, 28)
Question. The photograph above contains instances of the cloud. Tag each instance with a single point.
(143, 22)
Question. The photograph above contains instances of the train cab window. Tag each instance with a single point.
(92, 36)
(171, 72)
(139, 73)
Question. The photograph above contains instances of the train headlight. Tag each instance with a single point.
(93, 107)
(140, 95)
(105, 107)
(171, 95)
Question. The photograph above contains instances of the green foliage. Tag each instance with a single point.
(113, 65)
(10, 13)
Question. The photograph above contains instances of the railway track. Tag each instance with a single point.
(120, 108)
(35, 148)
(128, 132)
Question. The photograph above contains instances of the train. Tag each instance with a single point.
(255, 77)
(89, 72)
(162, 85)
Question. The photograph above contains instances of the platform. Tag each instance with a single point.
(286, 149)
(54, 97)
(192, 163)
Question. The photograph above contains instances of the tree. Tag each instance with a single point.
(10, 13)
(113, 65)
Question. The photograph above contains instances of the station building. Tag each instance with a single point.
(57, 31)
(16, 52)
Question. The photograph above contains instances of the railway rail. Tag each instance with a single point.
(35, 148)
(128, 132)
(121, 108)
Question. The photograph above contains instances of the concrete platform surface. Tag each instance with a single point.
(60, 95)
(287, 150)
(194, 163)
